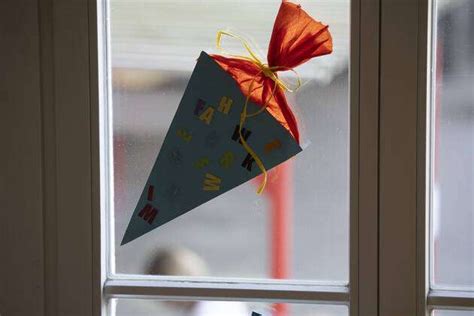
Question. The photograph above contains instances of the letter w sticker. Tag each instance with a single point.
(148, 213)
(211, 183)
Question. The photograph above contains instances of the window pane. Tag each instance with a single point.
(137, 307)
(453, 146)
(154, 46)
(441, 312)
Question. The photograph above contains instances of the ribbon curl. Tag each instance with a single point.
(296, 38)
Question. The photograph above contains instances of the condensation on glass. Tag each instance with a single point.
(128, 307)
(154, 46)
(452, 154)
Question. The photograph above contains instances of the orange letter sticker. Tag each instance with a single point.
(207, 115)
(227, 159)
(275, 144)
(211, 183)
(201, 163)
(184, 134)
(225, 105)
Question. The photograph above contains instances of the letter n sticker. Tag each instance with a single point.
(248, 162)
(148, 213)
(211, 183)
(245, 134)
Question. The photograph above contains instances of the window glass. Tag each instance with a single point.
(453, 146)
(154, 46)
(137, 307)
(441, 312)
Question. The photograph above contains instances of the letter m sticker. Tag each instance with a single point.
(211, 183)
(148, 213)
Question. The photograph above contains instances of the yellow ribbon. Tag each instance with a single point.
(269, 72)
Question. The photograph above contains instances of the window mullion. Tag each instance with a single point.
(451, 299)
(403, 48)
(364, 156)
(423, 164)
(265, 291)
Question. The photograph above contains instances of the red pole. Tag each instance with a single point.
(280, 191)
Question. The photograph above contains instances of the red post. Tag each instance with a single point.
(279, 189)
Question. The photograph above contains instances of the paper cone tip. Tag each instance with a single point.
(127, 238)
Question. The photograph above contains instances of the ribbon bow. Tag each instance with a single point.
(295, 39)
(266, 70)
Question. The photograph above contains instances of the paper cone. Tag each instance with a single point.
(201, 157)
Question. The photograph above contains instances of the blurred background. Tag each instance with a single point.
(452, 181)
(154, 46)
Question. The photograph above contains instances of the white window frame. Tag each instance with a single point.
(54, 240)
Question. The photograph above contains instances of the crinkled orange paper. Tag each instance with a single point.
(296, 38)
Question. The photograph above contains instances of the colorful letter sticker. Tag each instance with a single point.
(202, 156)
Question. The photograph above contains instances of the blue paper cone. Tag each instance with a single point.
(201, 157)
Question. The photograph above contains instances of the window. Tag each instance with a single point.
(383, 246)
(452, 158)
(297, 231)
(153, 52)
(453, 168)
